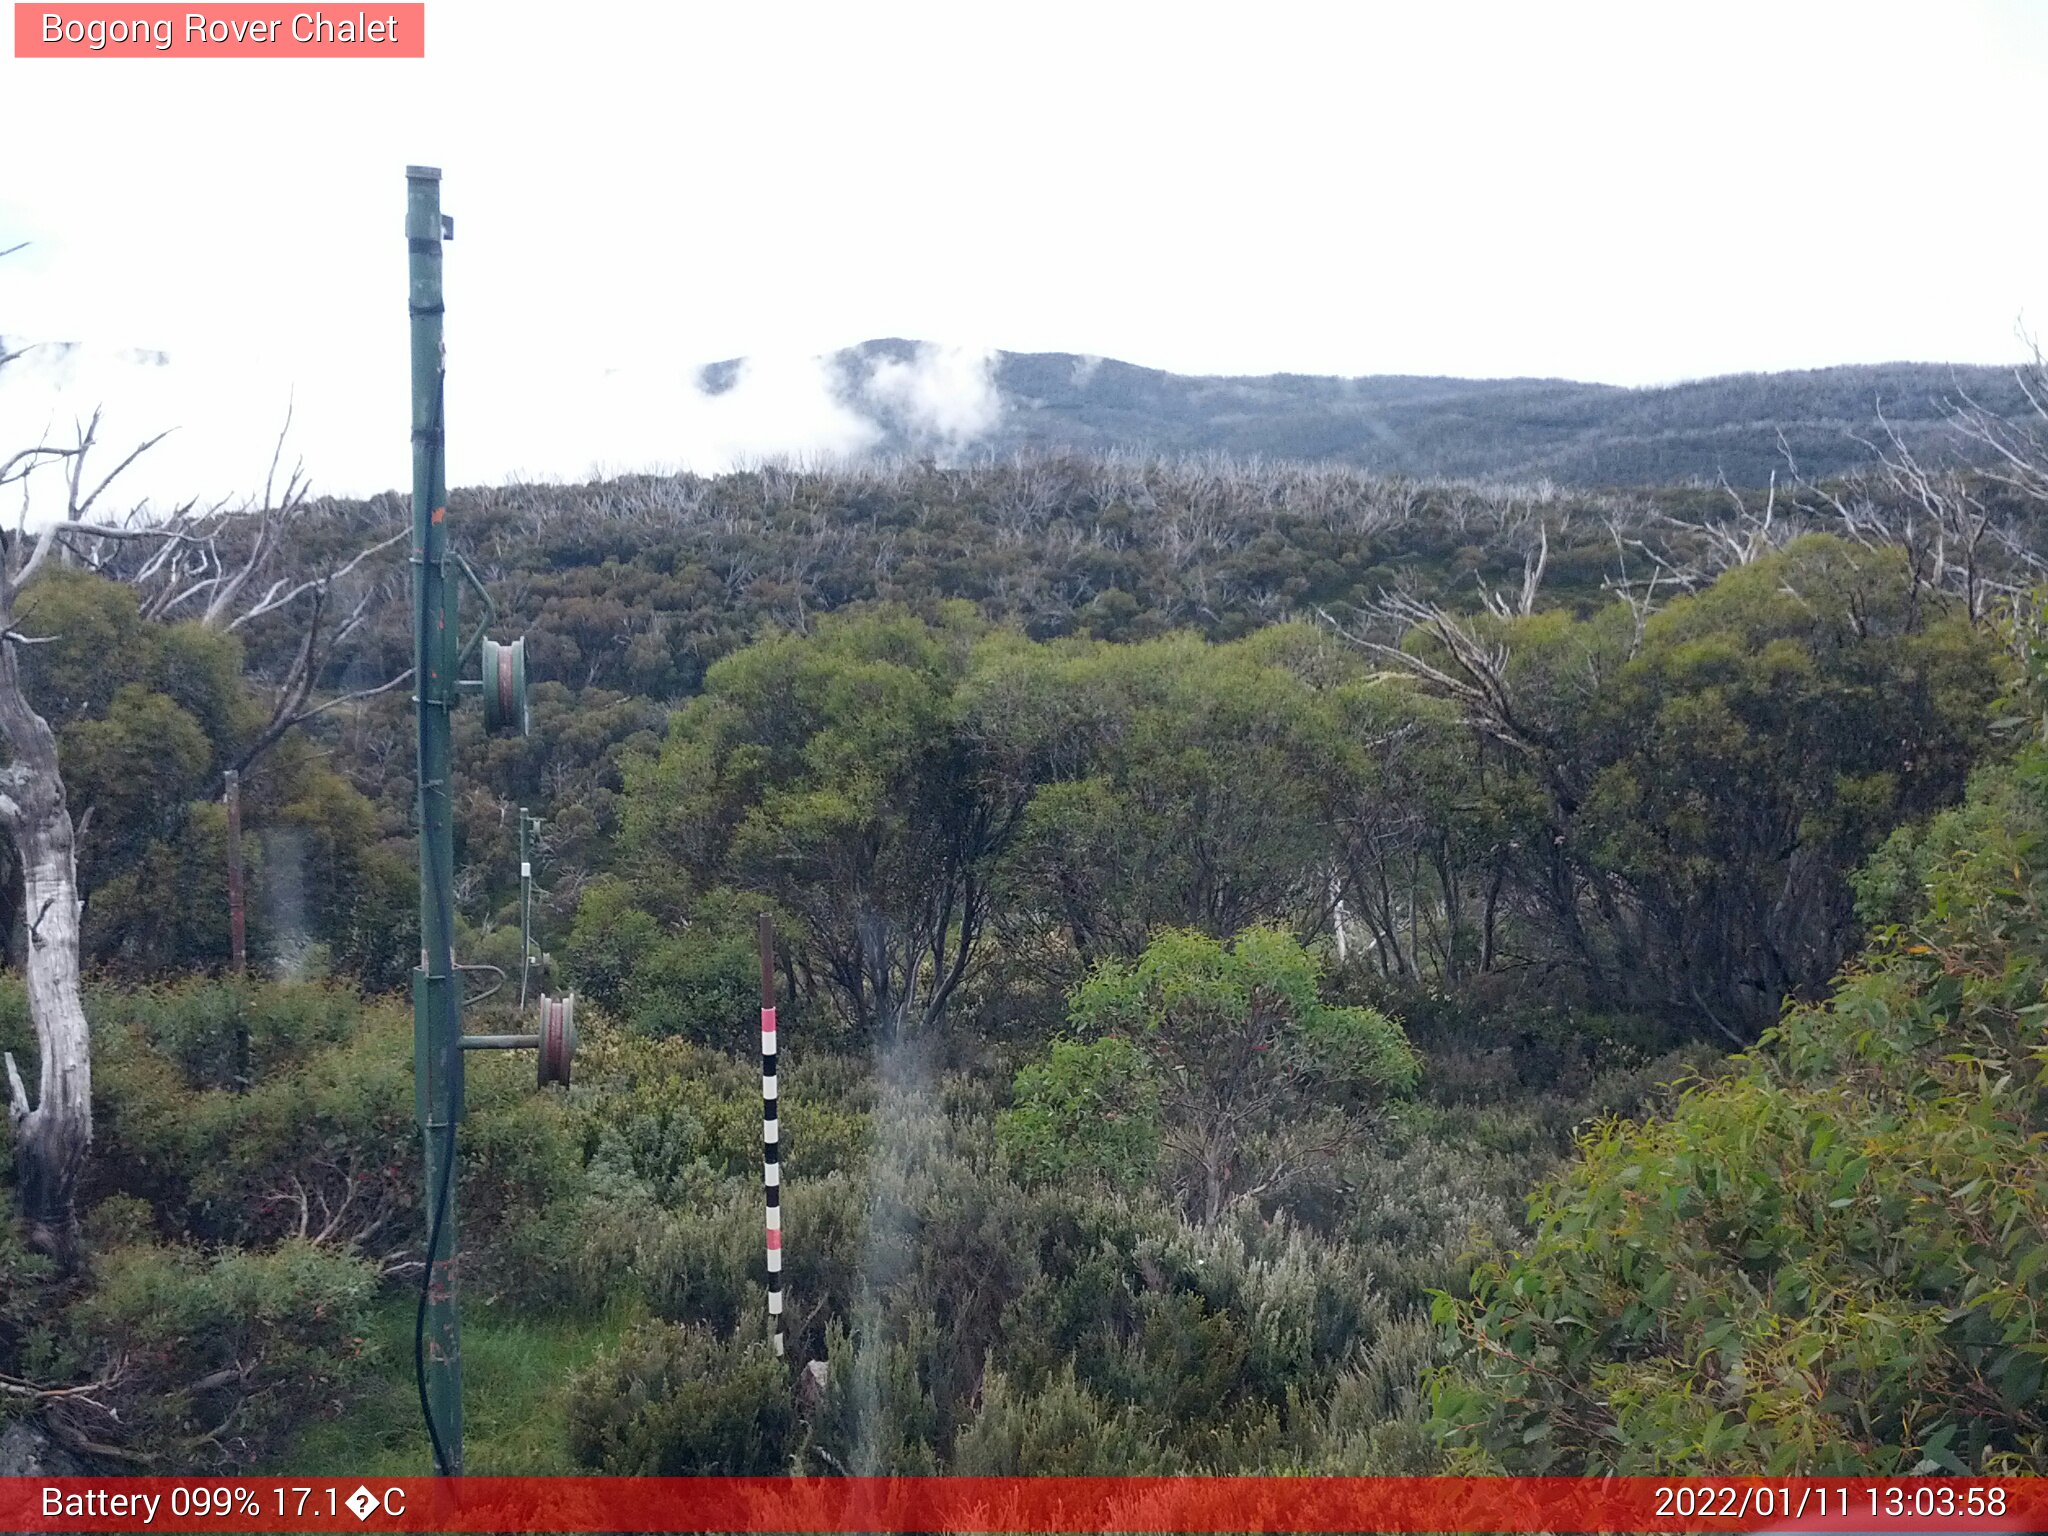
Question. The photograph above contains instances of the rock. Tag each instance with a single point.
(26, 1450)
(811, 1386)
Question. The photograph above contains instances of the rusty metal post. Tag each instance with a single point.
(238, 949)
(237, 920)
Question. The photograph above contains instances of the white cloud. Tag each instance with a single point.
(657, 416)
(776, 407)
(512, 415)
(943, 396)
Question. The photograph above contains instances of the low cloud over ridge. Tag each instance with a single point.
(568, 422)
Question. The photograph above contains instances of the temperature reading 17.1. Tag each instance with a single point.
(305, 1496)
(308, 1502)
(287, 1501)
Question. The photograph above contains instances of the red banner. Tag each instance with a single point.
(224, 31)
(1025, 1504)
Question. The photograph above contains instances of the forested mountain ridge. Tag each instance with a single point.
(1738, 426)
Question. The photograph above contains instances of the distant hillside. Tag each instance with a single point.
(1571, 433)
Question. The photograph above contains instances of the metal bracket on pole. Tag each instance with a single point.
(490, 611)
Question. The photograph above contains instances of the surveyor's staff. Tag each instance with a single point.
(771, 1136)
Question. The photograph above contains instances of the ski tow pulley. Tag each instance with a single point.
(557, 1037)
(504, 686)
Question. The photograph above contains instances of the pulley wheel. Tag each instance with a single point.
(557, 1037)
(504, 680)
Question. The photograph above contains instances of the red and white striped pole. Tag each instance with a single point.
(771, 1134)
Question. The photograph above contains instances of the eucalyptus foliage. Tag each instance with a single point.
(1835, 1257)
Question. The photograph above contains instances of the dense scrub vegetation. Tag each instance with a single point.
(1833, 1258)
(1211, 902)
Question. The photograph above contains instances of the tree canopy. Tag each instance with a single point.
(148, 715)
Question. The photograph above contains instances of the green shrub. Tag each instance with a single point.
(1223, 1057)
(324, 1145)
(678, 1401)
(27, 1289)
(1088, 1107)
(1375, 1422)
(1060, 1430)
(876, 1416)
(574, 1256)
(1302, 1305)
(17, 1030)
(825, 1253)
(217, 1030)
(706, 1265)
(331, 1140)
(1893, 887)
(215, 1356)
(1830, 1260)
(606, 943)
(702, 984)
(667, 1113)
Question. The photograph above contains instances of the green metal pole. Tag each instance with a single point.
(437, 1001)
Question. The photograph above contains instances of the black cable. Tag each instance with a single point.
(438, 1198)
(419, 1326)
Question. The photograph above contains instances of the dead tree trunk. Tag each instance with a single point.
(51, 1135)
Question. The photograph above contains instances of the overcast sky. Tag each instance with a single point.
(1631, 194)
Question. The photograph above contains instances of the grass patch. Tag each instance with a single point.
(515, 1377)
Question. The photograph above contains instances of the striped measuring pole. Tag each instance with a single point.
(771, 1134)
